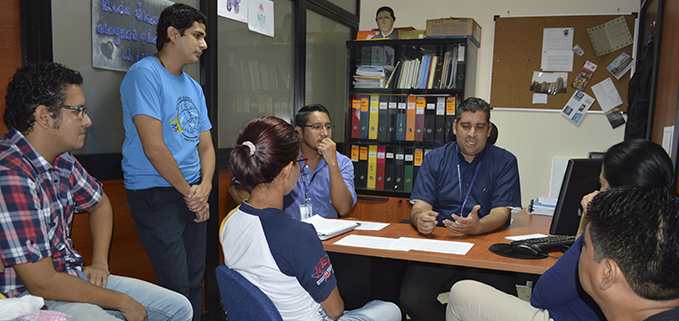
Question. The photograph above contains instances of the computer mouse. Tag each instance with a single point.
(526, 249)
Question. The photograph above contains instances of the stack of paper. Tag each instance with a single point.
(372, 76)
(543, 206)
(327, 228)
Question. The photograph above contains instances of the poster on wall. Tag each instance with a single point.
(124, 32)
(233, 9)
(260, 17)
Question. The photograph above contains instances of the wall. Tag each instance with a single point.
(72, 38)
(10, 22)
(533, 136)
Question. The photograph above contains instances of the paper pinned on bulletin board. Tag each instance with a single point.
(233, 9)
(577, 106)
(584, 75)
(539, 98)
(610, 36)
(609, 99)
(260, 17)
(620, 65)
(607, 94)
(549, 82)
(557, 52)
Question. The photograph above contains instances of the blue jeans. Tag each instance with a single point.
(175, 243)
(372, 311)
(161, 304)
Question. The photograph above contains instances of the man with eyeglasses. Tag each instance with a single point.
(168, 156)
(326, 184)
(43, 185)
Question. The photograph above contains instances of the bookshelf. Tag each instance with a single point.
(401, 102)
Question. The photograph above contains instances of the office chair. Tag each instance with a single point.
(243, 300)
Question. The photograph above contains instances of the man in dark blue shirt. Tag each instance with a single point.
(469, 187)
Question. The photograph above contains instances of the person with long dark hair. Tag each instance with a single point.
(281, 255)
(558, 294)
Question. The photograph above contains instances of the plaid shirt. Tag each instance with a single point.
(37, 206)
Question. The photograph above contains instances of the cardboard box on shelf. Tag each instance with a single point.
(454, 28)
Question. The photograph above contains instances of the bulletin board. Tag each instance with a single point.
(517, 53)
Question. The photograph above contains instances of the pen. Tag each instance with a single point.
(530, 206)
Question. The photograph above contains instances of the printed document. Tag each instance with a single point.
(557, 52)
(406, 244)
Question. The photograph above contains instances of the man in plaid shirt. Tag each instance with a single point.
(42, 185)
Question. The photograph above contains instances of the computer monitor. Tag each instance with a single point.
(581, 178)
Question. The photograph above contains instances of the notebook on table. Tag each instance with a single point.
(328, 227)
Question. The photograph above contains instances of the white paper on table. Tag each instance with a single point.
(450, 247)
(547, 201)
(607, 95)
(539, 98)
(371, 226)
(557, 52)
(371, 242)
(524, 237)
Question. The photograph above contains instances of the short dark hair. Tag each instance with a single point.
(276, 145)
(387, 9)
(638, 228)
(638, 162)
(302, 115)
(37, 83)
(473, 104)
(180, 16)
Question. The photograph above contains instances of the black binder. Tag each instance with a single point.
(401, 118)
(382, 123)
(429, 119)
(391, 118)
(389, 168)
(399, 164)
(362, 169)
(408, 169)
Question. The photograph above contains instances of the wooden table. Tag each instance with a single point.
(479, 256)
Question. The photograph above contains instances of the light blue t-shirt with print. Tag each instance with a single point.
(178, 103)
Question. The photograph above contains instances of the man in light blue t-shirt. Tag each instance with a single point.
(168, 156)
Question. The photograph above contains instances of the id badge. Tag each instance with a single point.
(305, 211)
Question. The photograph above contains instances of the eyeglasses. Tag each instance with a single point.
(82, 110)
(318, 127)
(300, 160)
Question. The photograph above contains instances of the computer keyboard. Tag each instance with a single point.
(544, 244)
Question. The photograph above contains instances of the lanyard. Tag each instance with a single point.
(459, 179)
(306, 185)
